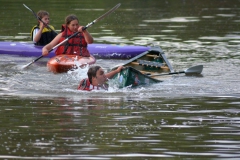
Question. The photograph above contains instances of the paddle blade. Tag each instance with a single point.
(31, 10)
(190, 71)
(27, 7)
(194, 70)
(102, 16)
(107, 13)
(25, 66)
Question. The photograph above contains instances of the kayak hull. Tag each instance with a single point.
(150, 62)
(140, 70)
(64, 63)
(101, 51)
(130, 77)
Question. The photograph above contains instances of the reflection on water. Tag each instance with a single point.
(110, 128)
(175, 19)
(43, 116)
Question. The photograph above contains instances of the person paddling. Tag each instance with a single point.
(97, 79)
(40, 33)
(76, 45)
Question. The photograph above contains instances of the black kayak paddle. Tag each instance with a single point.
(38, 18)
(190, 71)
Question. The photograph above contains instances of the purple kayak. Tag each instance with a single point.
(101, 51)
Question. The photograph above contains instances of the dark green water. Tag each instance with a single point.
(43, 116)
(146, 128)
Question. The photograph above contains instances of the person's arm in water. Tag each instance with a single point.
(110, 75)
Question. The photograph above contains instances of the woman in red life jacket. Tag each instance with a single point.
(97, 79)
(74, 46)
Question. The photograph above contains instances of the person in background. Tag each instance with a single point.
(41, 34)
(76, 45)
(97, 79)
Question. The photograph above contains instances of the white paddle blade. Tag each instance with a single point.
(194, 70)
(25, 66)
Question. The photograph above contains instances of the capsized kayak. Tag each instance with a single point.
(101, 51)
(64, 63)
(150, 62)
(140, 69)
(131, 77)
(148, 68)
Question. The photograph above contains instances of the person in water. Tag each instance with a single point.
(97, 79)
(41, 34)
(76, 45)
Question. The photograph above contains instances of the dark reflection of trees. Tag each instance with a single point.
(57, 126)
(128, 19)
(94, 126)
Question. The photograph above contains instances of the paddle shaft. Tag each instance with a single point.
(170, 73)
(192, 70)
(54, 48)
(38, 18)
(84, 28)
(88, 25)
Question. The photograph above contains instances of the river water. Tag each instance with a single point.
(43, 116)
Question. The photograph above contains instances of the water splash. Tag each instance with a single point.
(77, 74)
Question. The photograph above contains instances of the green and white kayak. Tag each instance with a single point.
(130, 77)
(147, 68)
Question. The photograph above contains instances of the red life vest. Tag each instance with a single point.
(87, 86)
(74, 46)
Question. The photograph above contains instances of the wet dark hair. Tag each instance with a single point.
(70, 18)
(92, 71)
